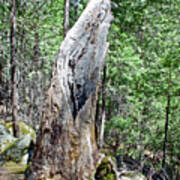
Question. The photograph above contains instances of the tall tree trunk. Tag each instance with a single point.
(1, 82)
(2, 59)
(167, 121)
(66, 17)
(66, 145)
(14, 70)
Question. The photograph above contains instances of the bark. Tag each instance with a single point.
(66, 145)
(14, 71)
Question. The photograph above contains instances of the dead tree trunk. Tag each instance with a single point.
(66, 144)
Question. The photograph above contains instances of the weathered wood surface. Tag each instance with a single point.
(66, 145)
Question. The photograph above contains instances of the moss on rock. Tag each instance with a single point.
(105, 171)
(14, 149)
(24, 129)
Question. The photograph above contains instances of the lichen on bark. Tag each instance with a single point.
(66, 145)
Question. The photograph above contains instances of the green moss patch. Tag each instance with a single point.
(24, 129)
(14, 167)
(105, 171)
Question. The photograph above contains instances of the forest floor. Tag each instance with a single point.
(12, 171)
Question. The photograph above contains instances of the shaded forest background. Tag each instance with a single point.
(142, 72)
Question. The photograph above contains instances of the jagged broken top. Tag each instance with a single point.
(82, 54)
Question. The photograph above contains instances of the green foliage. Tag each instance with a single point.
(143, 58)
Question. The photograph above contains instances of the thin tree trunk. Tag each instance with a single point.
(14, 70)
(66, 145)
(166, 122)
(97, 118)
(1, 81)
(103, 108)
(66, 17)
(1, 63)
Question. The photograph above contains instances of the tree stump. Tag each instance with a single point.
(66, 145)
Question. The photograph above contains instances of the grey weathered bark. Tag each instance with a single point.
(14, 70)
(66, 17)
(66, 144)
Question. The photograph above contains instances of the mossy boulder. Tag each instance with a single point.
(15, 149)
(12, 171)
(24, 129)
(105, 171)
(5, 138)
(3, 130)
